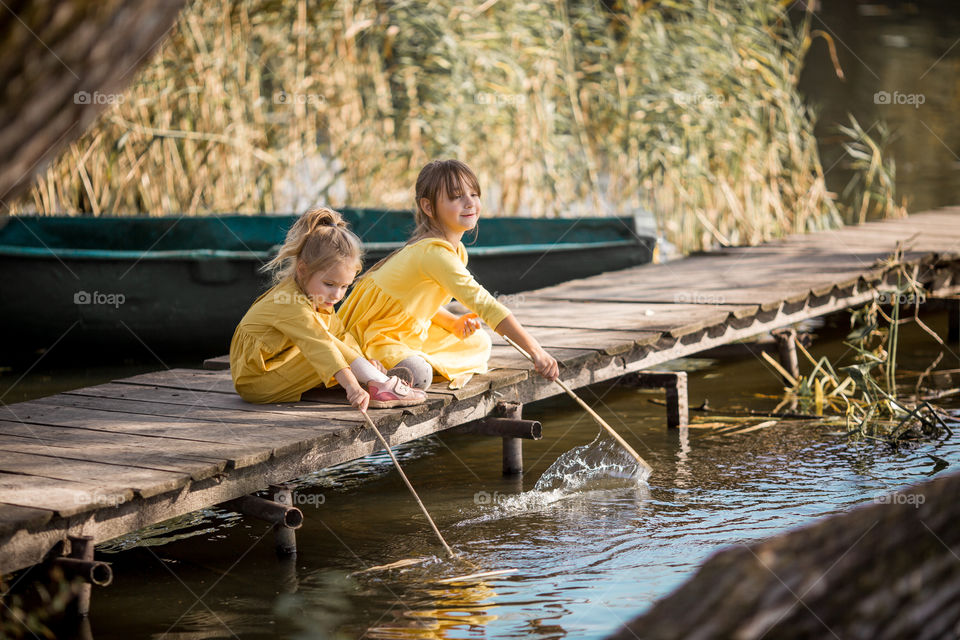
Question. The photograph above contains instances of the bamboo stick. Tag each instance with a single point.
(593, 414)
(407, 482)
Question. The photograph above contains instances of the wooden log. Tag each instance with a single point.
(884, 570)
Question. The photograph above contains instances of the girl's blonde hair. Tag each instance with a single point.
(319, 239)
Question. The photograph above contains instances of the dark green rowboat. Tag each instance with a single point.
(181, 284)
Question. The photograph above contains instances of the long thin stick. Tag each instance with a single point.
(409, 486)
(592, 413)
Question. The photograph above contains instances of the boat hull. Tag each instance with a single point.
(113, 306)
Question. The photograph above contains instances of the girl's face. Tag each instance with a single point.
(326, 288)
(457, 213)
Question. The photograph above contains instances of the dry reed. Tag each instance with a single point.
(687, 109)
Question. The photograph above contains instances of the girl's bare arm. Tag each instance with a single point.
(545, 363)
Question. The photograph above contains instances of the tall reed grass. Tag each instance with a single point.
(564, 107)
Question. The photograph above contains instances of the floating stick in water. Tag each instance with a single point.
(592, 413)
(407, 482)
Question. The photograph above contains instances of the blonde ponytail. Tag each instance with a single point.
(319, 239)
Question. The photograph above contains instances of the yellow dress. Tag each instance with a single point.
(390, 310)
(283, 347)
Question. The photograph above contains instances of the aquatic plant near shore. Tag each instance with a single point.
(865, 394)
(689, 110)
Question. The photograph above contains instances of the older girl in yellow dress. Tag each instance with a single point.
(395, 312)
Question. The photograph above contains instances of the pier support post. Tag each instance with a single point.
(512, 446)
(284, 538)
(506, 422)
(787, 344)
(80, 563)
(953, 323)
(674, 383)
(280, 512)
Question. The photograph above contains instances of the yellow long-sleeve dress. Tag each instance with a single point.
(283, 347)
(390, 310)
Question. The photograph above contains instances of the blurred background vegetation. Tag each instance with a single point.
(689, 110)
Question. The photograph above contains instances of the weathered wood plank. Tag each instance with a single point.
(244, 444)
(213, 407)
(187, 379)
(142, 481)
(161, 454)
(65, 497)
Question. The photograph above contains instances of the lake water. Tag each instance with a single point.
(592, 549)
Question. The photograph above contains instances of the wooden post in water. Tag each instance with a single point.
(80, 563)
(512, 447)
(284, 538)
(787, 344)
(674, 384)
(953, 322)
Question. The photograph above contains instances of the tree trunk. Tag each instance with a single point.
(63, 62)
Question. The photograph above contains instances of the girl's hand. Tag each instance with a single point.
(546, 365)
(466, 325)
(358, 397)
(378, 366)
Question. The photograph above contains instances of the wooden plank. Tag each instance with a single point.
(158, 455)
(64, 497)
(504, 355)
(188, 379)
(83, 439)
(215, 407)
(609, 341)
(220, 363)
(677, 319)
(144, 482)
(243, 444)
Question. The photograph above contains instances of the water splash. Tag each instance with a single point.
(600, 466)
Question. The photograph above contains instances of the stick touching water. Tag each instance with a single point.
(592, 413)
(407, 482)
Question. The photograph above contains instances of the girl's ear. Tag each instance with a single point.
(426, 206)
(301, 269)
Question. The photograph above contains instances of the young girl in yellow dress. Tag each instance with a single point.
(396, 312)
(291, 340)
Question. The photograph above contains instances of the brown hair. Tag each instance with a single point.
(436, 178)
(319, 239)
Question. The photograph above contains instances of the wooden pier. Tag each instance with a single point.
(107, 460)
